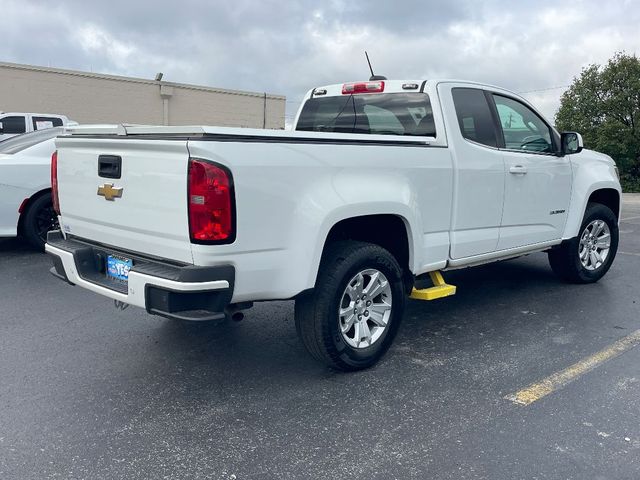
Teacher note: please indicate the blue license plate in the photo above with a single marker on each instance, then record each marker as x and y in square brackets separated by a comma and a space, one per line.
[118, 268]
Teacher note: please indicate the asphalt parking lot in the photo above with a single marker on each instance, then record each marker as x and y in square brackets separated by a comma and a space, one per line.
[88, 391]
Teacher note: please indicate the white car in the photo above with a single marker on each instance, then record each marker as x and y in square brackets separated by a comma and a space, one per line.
[25, 186]
[382, 183]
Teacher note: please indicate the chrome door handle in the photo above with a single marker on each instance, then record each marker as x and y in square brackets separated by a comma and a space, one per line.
[518, 170]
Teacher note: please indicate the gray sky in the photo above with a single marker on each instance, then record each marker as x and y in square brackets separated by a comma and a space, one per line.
[288, 47]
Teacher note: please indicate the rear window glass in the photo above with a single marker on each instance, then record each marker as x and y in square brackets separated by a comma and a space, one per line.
[378, 114]
[21, 142]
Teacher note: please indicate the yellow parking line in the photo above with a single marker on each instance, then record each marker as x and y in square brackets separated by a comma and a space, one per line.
[629, 218]
[630, 253]
[553, 382]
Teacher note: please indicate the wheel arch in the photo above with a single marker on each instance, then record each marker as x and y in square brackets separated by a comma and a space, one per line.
[391, 231]
[608, 197]
[606, 193]
[24, 207]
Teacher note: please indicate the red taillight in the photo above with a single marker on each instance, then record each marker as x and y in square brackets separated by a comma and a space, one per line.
[54, 182]
[362, 87]
[23, 205]
[210, 197]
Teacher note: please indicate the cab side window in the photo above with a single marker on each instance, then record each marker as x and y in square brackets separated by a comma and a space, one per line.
[522, 128]
[40, 123]
[13, 124]
[474, 116]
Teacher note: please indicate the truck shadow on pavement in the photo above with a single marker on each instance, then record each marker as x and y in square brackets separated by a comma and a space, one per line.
[16, 245]
[504, 302]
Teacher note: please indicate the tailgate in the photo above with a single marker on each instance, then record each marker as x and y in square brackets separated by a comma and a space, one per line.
[150, 216]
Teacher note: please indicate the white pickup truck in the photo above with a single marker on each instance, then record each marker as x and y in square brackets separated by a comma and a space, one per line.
[381, 182]
[17, 123]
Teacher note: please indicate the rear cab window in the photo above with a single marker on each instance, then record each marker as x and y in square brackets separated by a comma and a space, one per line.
[404, 114]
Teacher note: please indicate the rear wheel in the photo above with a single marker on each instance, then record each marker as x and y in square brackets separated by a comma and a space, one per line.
[38, 220]
[587, 257]
[352, 316]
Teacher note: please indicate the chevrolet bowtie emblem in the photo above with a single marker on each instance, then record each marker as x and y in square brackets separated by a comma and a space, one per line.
[109, 192]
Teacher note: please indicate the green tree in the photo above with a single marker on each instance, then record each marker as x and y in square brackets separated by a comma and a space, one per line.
[603, 104]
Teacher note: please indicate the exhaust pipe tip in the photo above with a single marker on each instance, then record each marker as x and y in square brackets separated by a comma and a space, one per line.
[234, 311]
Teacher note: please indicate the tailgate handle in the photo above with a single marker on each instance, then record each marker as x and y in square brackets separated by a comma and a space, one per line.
[110, 166]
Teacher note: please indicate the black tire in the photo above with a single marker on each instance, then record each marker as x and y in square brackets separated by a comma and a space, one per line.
[39, 219]
[316, 312]
[565, 259]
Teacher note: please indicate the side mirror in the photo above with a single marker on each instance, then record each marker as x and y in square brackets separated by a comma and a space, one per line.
[571, 143]
[1, 127]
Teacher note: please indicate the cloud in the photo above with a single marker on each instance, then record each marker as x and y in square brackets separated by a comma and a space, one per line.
[96, 42]
[289, 47]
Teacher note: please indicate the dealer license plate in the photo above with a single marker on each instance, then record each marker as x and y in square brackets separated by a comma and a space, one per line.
[118, 268]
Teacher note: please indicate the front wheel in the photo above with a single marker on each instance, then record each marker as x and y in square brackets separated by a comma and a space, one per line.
[352, 316]
[587, 257]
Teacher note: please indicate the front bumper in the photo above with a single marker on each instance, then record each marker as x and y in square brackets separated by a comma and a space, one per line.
[184, 292]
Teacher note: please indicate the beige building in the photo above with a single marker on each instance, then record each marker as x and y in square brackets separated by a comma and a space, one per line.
[96, 98]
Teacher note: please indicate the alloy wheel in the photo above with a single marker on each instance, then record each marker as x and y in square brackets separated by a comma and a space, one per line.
[594, 246]
[365, 308]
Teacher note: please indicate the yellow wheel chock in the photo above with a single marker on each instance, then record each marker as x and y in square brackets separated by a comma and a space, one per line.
[440, 289]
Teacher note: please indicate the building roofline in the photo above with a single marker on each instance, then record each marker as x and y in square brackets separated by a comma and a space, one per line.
[119, 78]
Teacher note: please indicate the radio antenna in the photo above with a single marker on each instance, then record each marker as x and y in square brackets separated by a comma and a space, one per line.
[373, 75]
[369, 62]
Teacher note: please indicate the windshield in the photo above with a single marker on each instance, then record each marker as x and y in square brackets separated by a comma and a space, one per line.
[21, 142]
[379, 114]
